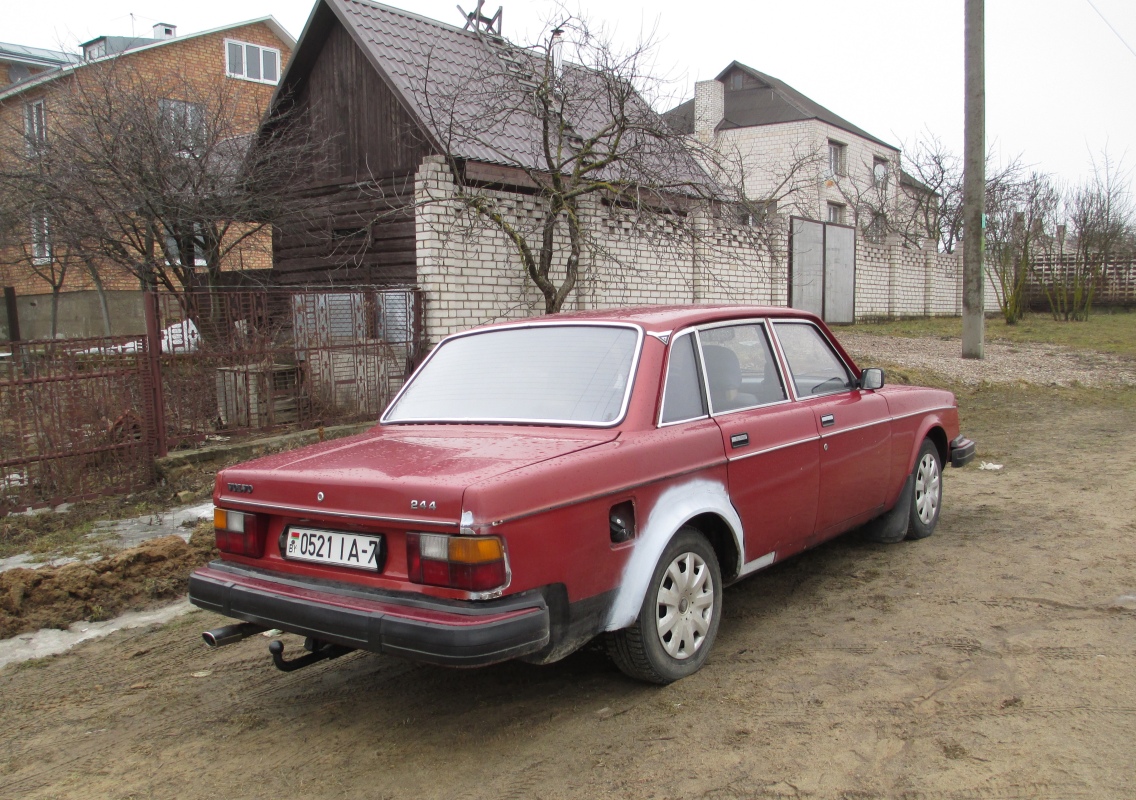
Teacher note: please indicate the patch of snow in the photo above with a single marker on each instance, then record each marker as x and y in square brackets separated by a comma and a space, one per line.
[50, 641]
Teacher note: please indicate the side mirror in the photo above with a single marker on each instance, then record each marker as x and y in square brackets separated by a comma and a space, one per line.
[872, 378]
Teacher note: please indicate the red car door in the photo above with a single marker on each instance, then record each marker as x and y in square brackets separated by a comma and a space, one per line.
[771, 442]
[854, 427]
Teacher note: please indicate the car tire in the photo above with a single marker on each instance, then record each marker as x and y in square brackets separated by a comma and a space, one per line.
[927, 497]
[679, 618]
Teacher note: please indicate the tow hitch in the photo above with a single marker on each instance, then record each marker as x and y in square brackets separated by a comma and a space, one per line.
[317, 651]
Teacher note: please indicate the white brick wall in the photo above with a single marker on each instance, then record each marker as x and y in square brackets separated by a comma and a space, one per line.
[470, 274]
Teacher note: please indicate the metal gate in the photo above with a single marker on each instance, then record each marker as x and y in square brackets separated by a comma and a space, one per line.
[822, 269]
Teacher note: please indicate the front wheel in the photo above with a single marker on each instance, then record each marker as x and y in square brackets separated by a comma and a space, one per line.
[679, 618]
[927, 498]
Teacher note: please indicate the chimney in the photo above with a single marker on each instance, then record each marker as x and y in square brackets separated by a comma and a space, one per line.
[709, 108]
[556, 53]
[164, 30]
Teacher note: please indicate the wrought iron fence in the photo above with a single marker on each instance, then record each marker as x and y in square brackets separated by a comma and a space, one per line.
[75, 420]
[79, 417]
[238, 359]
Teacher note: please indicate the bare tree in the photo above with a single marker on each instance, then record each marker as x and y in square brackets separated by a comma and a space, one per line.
[1100, 223]
[934, 210]
[570, 121]
[1021, 213]
[159, 177]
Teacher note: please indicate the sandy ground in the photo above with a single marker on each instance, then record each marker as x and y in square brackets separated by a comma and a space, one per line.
[992, 660]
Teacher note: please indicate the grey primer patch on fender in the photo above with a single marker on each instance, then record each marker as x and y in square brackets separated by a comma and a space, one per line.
[675, 506]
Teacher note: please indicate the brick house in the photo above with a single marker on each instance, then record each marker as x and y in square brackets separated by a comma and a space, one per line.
[841, 191]
[246, 58]
[19, 63]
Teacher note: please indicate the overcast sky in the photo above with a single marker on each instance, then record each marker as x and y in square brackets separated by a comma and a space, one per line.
[1061, 85]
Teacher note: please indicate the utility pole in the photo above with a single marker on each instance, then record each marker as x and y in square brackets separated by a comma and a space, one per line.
[974, 182]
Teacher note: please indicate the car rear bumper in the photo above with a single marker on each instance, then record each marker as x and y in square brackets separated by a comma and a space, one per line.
[453, 633]
[962, 451]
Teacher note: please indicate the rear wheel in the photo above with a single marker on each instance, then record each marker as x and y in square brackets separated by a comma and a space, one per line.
[679, 618]
[927, 499]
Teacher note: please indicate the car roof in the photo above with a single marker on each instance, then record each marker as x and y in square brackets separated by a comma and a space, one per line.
[668, 318]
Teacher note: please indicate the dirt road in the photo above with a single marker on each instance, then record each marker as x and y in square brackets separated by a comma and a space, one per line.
[993, 660]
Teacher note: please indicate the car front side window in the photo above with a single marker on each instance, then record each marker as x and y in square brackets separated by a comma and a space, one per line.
[815, 368]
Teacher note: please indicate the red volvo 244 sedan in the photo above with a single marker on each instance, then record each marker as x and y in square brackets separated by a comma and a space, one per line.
[537, 484]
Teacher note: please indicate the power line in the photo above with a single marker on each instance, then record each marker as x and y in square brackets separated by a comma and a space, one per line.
[1109, 24]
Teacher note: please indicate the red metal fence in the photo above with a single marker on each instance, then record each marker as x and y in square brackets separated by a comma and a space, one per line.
[87, 416]
[74, 420]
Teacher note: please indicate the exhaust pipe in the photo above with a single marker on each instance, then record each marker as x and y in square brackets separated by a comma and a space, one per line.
[219, 637]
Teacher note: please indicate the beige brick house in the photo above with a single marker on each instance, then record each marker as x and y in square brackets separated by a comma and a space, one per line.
[244, 60]
[840, 191]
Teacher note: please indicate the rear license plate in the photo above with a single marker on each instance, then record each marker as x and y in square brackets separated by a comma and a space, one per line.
[333, 547]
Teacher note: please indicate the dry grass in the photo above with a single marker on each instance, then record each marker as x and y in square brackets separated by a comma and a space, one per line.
[1106, 331]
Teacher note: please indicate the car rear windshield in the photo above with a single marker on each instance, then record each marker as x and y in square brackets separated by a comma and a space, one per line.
[570, 374]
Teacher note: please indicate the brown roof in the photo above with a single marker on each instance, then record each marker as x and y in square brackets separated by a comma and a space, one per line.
[472, 91]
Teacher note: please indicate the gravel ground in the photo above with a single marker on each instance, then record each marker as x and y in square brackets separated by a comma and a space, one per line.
[1044, 364]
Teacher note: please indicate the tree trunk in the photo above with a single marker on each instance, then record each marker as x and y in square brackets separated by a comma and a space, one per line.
[93, 271]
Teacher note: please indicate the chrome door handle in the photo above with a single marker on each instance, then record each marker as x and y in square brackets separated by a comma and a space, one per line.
[827, 421]
[739, 440]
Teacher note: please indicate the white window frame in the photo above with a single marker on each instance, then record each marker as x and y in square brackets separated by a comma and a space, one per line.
[243, 74]
[173, 251]
[839, 209]
[837, 158]
[35, 124]
[185, 122]
[41, 238]
[95, 50]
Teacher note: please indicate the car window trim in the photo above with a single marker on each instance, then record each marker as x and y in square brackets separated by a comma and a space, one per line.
[626, 405]
[789, 369]
[763, 322]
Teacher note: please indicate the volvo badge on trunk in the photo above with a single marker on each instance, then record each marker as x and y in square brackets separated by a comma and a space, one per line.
[241, 488]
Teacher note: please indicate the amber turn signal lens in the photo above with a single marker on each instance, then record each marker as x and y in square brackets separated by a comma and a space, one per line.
[475, 550]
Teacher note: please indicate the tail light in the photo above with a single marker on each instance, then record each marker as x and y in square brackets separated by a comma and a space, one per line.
[473, 563]
[239, 533]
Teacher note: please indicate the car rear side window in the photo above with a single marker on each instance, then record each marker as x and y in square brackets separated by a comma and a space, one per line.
[740, 367]
[816, 369]
[683, 397]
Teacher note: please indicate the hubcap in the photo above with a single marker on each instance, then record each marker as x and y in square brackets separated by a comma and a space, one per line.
[685, 605]
[928, 489]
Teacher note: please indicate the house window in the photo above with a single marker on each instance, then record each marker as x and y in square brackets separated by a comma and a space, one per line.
[95, 50]
[183, 123]
[184, 239]
[41, 238]
[880, 173]
[836, 152]
[252, 62]
[35, 125]
[836, 213]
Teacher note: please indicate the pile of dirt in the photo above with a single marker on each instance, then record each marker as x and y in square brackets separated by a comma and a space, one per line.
[131, 580]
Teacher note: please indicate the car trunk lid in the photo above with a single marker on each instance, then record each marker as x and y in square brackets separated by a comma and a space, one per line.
[411, 472]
